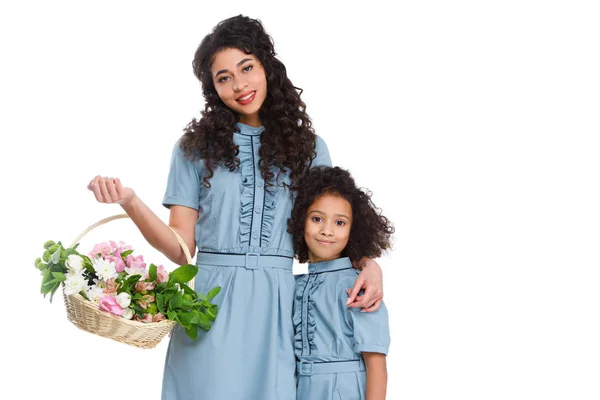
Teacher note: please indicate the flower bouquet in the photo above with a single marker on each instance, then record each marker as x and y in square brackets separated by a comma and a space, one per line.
[113, 293]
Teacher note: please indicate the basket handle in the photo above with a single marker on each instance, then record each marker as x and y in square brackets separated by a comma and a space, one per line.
[103, 221]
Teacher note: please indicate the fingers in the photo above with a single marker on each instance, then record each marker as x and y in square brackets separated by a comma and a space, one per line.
[112, 189]
[95, 188]
[374, 307]
[105, 189]
[358, 286]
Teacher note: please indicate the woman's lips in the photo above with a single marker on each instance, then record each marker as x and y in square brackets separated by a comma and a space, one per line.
[246, 98]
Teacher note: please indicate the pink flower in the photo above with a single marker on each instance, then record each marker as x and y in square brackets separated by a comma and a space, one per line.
[111, 287]
[135, 262]
[141, 286]
[104, 248]
[145, 301]
[162, 274]
[109, 303]
[147, 318]
[158, 317]
[119, 264]
[120, 247]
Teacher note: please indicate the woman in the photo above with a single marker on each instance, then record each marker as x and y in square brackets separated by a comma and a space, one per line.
[229, 194]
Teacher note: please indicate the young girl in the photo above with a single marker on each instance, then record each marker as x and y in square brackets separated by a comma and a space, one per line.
[340, 350]
[228, 196]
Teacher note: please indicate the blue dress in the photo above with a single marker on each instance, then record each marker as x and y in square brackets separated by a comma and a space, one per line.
[243, 246]
[330, 336]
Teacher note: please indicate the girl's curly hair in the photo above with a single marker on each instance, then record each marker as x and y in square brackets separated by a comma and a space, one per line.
[370, 233]
[288, 140]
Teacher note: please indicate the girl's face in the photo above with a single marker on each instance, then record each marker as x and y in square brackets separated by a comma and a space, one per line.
[327, 227]
[241, 83]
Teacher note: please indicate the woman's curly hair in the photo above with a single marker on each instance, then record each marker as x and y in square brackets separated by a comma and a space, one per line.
[288, 141]
[370, 232]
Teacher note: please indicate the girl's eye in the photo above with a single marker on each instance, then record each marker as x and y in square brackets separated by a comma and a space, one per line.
[316, 219]
[340, 223]
[247, 68]
[223, 79]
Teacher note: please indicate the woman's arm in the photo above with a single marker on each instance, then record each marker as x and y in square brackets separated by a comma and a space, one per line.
[370, 280]
[375, 364]
[155, 231]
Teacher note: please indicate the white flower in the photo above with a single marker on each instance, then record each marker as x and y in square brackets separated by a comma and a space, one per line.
[104, 269]
[75, 284]
[127, 313]
[74, 263]
[94, 293]
[124, 300]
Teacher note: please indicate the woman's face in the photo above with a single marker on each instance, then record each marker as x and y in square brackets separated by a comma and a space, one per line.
[327, 227]
[241, 83]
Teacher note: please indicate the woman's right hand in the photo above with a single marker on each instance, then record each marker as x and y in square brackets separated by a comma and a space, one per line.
[110, 190]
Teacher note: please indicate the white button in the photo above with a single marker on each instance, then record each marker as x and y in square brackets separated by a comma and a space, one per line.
[255, 235]
[259, 184]
[257, 210]
[256, 140]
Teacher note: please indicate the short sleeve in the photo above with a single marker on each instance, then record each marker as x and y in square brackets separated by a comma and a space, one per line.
[370, 331]
[183, 183]
[322, 158]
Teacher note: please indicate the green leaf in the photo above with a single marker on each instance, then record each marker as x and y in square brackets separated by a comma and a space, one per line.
[49, 244]
[56, 255]
[172, 315]
[160, 303]
[184, 274]
[152, 272]
[60, 276]
[213, 292]
[125, 254]
[192, 332]
[176, 300]
[187, 289]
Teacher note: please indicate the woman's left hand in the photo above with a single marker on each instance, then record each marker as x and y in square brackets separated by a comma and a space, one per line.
[370, 280]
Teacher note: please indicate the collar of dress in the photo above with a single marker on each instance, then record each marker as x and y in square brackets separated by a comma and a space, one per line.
[331, 265]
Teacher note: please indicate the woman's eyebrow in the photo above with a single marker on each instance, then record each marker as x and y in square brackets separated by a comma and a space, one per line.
[224, 71]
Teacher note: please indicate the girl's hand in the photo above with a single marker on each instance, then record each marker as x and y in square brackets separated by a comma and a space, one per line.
[371, 281]
[110, 190]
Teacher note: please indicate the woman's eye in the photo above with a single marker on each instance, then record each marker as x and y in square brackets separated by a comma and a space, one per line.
[340, 223]
[316, 219]
[247, 68]
[223, 79]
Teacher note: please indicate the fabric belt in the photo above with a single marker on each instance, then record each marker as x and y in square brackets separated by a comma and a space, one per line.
[307, 368]
[248, 260]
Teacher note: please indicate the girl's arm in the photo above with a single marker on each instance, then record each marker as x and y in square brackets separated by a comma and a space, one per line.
[370, 280]
[375, 364]
[155, 231]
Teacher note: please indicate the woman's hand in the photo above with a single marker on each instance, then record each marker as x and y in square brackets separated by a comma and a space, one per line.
[371, 281]
[110, 190]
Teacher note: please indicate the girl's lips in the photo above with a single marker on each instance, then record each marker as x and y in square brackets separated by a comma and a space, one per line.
[247, 98]
[325, 243]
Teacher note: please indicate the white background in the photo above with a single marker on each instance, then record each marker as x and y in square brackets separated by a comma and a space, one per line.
[474, 123]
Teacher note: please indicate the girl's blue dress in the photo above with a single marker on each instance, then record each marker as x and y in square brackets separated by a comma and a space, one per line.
[243, 246]
[330, 336]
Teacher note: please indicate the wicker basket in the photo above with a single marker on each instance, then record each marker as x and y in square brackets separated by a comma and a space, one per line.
[87, 316]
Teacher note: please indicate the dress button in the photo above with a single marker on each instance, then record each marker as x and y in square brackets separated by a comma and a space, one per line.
[257, 210]
[312, 269]
[255, 235]
[259, 184]
[256, 140]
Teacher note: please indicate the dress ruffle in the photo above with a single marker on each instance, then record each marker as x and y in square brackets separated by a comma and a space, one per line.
[268, 215]
[306, 323]
[247, 192]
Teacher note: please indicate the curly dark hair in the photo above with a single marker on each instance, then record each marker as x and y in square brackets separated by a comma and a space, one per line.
[370, 233]
[288, 140]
